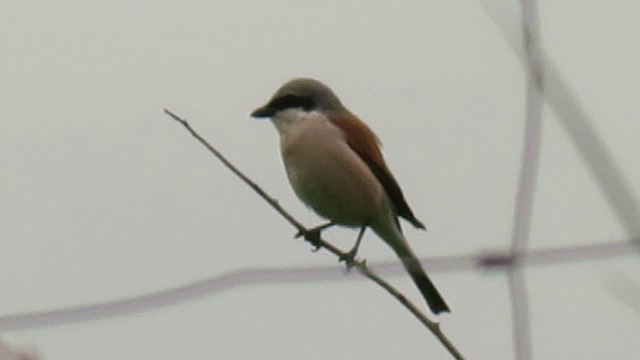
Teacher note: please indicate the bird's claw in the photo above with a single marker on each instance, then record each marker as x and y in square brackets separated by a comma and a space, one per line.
[349, 259]
[312, 236]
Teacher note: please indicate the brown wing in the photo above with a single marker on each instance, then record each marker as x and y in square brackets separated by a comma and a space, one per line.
[366, 144]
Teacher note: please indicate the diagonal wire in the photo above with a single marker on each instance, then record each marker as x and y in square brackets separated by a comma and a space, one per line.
[626, 290]
[575, 120]
[578, 124]
[573, 117]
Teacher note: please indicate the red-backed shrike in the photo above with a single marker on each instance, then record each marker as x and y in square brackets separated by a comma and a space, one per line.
[334, 163]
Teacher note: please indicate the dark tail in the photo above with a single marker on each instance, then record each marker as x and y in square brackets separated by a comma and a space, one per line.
[392, 236]
[424, 284]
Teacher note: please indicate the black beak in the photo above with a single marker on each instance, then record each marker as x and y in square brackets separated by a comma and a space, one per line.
[263, 112]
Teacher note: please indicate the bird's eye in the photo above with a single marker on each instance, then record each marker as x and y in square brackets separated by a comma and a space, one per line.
[292, 102]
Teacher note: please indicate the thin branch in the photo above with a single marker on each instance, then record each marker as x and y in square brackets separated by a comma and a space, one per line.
[318, 242]
[271, 201]
[494, 261]
[433, 326]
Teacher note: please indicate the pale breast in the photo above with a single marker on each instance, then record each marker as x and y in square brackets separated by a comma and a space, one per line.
[326, 173]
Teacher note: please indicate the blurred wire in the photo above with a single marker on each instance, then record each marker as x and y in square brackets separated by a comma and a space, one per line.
[288, 275]
[575, 120]
[626, 290]
[527, 180]
[9, 353]
[581, 131]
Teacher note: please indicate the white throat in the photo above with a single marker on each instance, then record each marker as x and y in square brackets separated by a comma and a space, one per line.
[291, 122]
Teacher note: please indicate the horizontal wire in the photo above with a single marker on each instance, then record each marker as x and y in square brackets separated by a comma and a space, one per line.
[288, 275]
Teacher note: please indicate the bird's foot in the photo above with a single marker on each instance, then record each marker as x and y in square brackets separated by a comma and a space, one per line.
[349, 258]
[313, 235]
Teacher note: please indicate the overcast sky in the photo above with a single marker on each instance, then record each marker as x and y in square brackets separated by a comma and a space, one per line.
[103, 197]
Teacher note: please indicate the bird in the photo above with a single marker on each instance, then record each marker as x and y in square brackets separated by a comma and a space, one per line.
[335, 165]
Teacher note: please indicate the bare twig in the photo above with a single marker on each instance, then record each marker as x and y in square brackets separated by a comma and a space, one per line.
[317, 241]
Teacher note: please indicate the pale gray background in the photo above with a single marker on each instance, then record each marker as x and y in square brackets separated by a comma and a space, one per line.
[104, 197]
